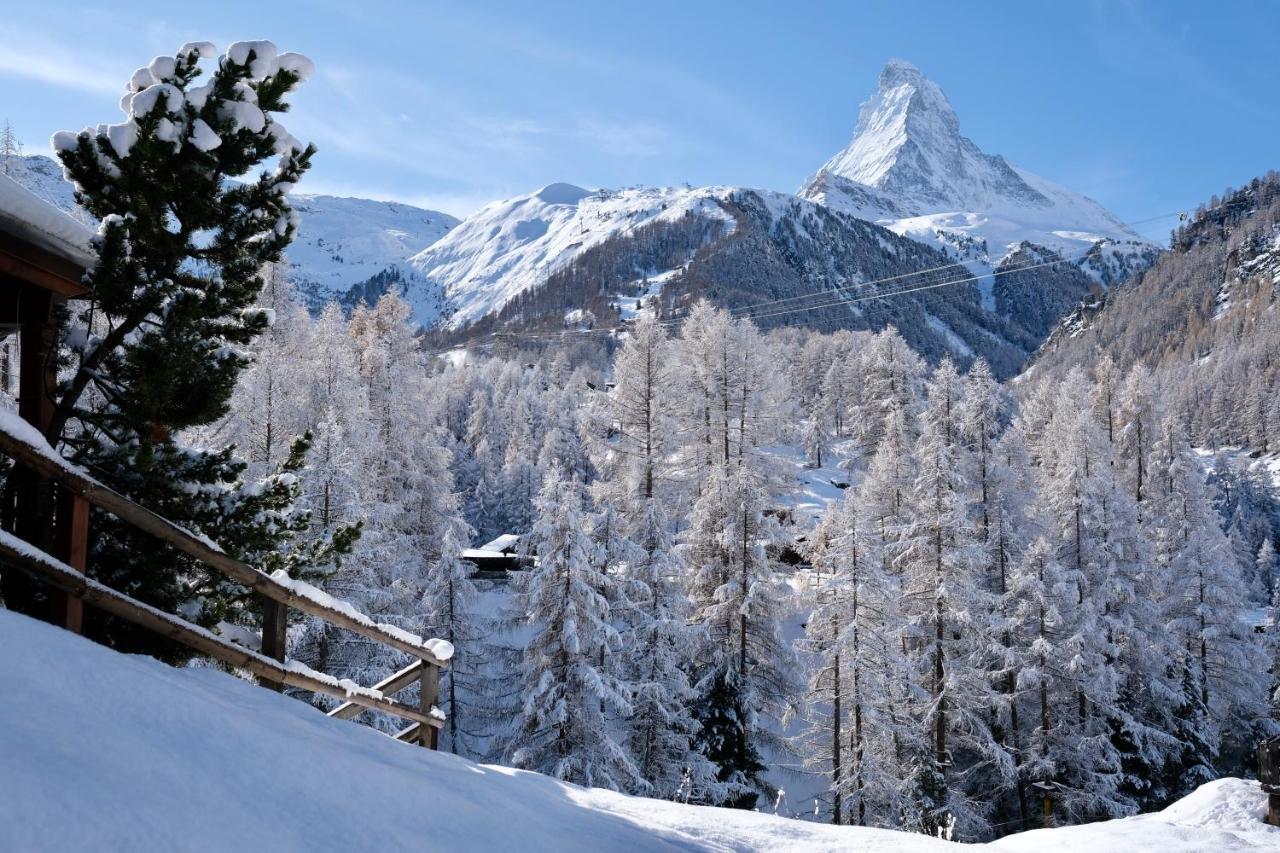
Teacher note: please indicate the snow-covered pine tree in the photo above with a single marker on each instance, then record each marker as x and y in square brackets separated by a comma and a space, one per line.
[816, 438]
[474, 689]
[1069, 766]
[1088, 511]
[1217, 657]
[1266, 565]
[562, 729]
[10, 147]
[405, 496]
[951, 613]
[657, 647]
[338, 410]
[157, 346]
[1136, 419]
[854, 733]
[892, 374]
[270, 404]
[632, 447]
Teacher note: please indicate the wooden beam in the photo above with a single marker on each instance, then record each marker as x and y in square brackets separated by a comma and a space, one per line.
[42, 268]
[19, 554]
[388, 686]
[409, 734]
[39, 460]
[38, 368]
[71, 539]
[275, 634]
[428, 694]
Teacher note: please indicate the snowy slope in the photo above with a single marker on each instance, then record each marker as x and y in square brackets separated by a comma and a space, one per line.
[341, 242]
[103, 751]
[344, 241]
[510, 246]
[909, 168]
[42, 177]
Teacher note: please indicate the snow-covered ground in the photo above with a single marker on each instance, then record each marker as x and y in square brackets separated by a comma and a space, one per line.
[342, 242]
[102, 751]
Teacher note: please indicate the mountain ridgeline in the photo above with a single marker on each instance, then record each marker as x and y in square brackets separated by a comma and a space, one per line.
[909, 194]
[1203, 318]
[783, 262]
[911, 224]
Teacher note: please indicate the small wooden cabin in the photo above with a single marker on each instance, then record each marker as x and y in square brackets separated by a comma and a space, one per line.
[495, 559]
[44, 254]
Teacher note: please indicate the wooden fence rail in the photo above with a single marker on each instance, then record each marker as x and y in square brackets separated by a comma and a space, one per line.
[144, 519]
[269, 666]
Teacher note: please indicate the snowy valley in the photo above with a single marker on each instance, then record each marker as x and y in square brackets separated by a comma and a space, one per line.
[929, 504]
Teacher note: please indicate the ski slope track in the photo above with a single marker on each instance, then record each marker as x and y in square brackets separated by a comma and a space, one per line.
[108, 752]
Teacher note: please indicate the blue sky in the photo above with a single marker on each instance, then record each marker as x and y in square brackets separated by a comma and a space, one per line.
[1146, 106]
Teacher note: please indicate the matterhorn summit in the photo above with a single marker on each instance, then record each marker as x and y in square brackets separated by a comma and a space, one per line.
[908, 167]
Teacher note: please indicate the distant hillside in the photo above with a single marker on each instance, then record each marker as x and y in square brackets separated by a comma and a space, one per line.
[781, 260]
[346, 248]
[1204, 317]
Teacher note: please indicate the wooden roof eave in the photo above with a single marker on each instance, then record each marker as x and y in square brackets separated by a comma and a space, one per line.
[26, 262]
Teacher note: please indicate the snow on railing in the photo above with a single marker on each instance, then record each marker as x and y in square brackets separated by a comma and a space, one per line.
[20, 441]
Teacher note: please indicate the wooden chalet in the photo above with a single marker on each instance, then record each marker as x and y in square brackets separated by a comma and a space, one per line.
[495, 559]
[44, 254]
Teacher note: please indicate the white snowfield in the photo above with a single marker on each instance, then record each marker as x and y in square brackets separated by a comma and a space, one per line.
[342, 242]
[106, 752]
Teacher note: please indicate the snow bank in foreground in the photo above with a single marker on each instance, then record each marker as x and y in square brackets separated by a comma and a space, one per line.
[100, 751]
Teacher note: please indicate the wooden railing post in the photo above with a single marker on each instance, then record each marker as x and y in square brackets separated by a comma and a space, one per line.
[275, 624]
[71, 547]
[428, 695]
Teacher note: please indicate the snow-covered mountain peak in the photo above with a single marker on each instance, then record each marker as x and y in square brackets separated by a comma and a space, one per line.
[908, 144]
[905, 105]
[510, 246]
[561, 193]
[909, 168]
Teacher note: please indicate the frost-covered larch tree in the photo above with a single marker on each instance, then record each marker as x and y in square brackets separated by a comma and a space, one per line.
[632, 450]
[745, 672]
[949, 608]
[562, 729]
[853, 730]
[1223, 702]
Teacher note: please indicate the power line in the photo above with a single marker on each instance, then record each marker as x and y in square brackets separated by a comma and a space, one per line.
[750, 310]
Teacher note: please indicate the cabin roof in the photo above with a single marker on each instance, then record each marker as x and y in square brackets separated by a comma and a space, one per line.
[53, 249]
[505, 542]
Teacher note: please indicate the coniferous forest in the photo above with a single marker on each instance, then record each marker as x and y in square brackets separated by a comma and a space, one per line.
[1031, 604]
[998, 557]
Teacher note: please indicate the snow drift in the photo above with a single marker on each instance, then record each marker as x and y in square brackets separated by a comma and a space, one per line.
[103, 751]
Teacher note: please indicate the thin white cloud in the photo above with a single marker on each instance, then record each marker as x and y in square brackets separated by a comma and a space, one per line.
[35, 59]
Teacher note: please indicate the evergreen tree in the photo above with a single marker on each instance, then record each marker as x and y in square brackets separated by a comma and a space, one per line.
[10, 147]
[159, 343]
[941, 566]
[562, 729]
